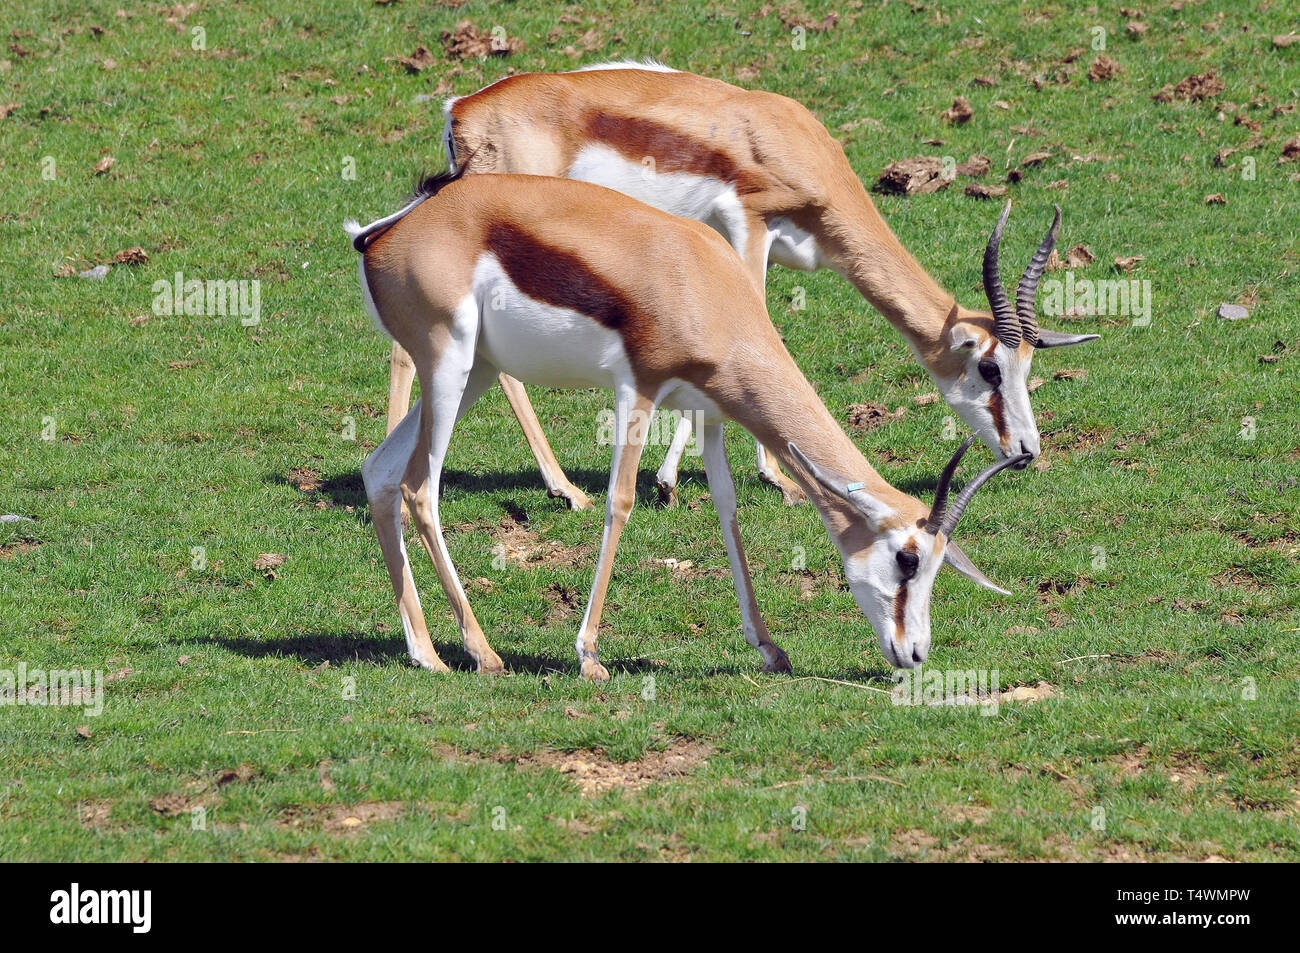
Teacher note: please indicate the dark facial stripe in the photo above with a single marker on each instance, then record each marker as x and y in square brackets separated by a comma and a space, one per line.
[900, 613]
[996, 406]
[671, 150]
[557, 277]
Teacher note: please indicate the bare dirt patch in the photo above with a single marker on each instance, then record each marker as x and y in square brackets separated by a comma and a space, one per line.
[1193, 89]
[20, 548]
[519, 544]
[564, 602]
[466, 40]
[872, 416]
[594, 773]
[1238, 578]
[94, 815]
[343, 818]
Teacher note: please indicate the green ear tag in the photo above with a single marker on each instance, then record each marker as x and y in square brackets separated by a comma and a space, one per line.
[855, 486]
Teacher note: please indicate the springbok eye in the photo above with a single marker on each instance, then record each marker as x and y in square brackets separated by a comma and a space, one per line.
[990, 371]
[907, 563]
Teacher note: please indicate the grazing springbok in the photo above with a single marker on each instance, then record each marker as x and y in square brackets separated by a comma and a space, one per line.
[567, 284]
[763, 171]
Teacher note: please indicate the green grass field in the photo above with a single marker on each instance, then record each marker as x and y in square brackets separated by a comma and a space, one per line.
[1153, 553]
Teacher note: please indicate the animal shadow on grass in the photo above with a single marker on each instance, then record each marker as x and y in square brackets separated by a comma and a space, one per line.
[315, 649]
[348, 489]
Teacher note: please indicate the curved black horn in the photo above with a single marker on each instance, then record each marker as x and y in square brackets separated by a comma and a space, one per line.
[959, 505]
[1005, 325]
[1026, 310]
[941, 490]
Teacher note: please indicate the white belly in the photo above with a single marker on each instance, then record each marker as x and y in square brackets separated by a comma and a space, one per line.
[538, 343]
[700, 197]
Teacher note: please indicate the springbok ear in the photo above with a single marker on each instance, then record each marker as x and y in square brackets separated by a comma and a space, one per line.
[855, 494]
[962, 337]
[1048, 338]
[959, 561]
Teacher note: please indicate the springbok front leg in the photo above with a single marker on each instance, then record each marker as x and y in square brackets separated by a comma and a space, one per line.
[755, 255]
[723, 491]
[629, 441]
[557, 484]
[748, 235]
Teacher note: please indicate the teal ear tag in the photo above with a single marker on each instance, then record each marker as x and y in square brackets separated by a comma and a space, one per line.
[855, 486]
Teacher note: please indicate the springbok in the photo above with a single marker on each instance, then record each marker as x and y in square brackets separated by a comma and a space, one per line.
[764, 172]
[567, 284]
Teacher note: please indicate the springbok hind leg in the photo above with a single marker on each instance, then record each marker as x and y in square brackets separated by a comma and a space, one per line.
[557, 484]
[667, 475]
[770, 472]
[401, 374]
[447, 392]
[382, 473]
[629, 441]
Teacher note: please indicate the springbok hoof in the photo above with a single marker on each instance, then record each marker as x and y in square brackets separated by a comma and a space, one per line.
[491, 665]
[573, 498]
[667, 494]
[791, 493]
[434, 664]
[593, 671]
[779, 665]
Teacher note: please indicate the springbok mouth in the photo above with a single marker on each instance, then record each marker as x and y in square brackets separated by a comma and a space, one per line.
[1022, 460]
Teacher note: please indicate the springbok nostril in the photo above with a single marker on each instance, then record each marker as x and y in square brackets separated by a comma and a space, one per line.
[918, 656]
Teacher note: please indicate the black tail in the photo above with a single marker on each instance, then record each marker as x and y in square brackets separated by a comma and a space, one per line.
[426, 186]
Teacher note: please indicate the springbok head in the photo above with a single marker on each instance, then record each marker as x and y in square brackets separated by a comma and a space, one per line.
[893, 549]
[988, 385]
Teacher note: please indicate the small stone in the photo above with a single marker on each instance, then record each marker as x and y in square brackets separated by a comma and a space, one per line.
[1232, 312]
[98, 273]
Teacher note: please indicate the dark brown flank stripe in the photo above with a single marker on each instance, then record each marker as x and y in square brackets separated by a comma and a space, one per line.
[557, 277]
[671, 150]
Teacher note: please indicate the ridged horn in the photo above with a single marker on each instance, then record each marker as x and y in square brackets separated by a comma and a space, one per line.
[1027, 292]
[1005, 324]
[968, 492]
[935, 518]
